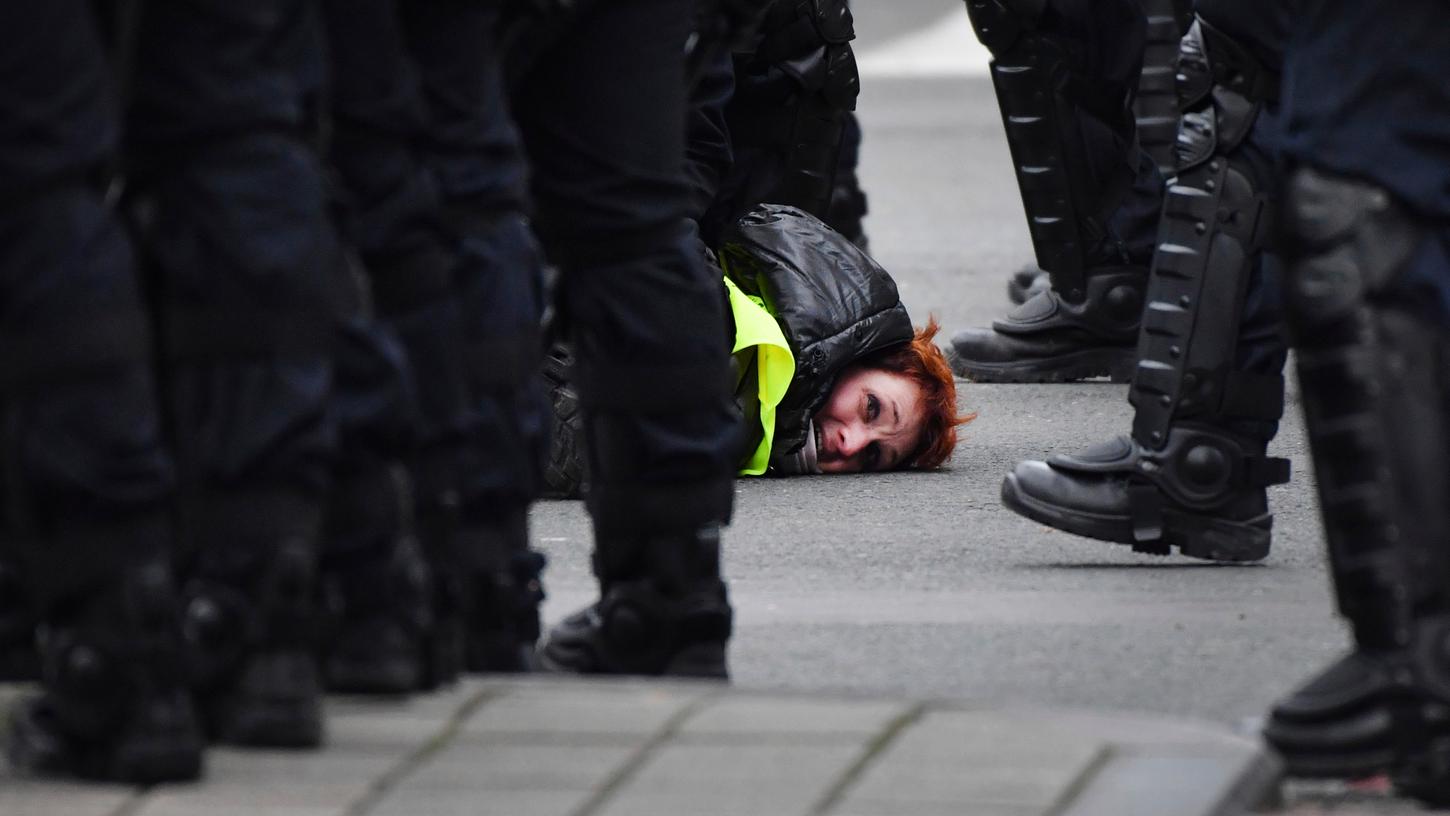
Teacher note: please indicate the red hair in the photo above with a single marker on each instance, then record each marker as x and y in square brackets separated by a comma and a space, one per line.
[922, 362]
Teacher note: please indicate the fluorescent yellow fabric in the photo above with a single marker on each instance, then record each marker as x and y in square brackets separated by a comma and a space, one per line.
[774, 364]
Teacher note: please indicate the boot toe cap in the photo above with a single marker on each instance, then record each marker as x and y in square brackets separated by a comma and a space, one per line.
[1070, 492]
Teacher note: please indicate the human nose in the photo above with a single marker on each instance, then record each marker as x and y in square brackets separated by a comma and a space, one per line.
[853, 438]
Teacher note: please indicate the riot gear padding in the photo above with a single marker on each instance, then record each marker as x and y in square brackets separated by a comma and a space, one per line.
[1193, 473]
[1374, 381]
[1374, 376]
[793, 91]
[1041, 93]
[1156, 106]
[1214, 225]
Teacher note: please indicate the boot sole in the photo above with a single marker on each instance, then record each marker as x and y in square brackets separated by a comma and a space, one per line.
[1207, 539]
[1117, 364]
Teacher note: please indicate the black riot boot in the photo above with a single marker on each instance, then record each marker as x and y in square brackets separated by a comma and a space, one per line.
[1049, 338]
[377, 586]
[1193, 473]
[1374, 371]
[250, 624]
[19, 660]
[663, 610]
[114, 704]
[1202, 492]
[505, 588]
[1074, 146]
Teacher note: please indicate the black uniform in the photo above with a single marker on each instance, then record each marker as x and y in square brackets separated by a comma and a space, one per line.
[433, 177]
[612, 206]
[1367, 217]
[85, 528]
[1066, 74]
[1207, 387]
[225, 194]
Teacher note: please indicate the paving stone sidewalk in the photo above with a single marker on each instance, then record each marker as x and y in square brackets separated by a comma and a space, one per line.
[577, 748]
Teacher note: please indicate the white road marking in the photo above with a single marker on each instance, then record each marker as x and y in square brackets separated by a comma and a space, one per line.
[946, 48]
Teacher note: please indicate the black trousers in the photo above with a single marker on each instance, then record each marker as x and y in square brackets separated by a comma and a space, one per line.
[228, 193]
[603, 122]
[1366, 97]
[86, 474]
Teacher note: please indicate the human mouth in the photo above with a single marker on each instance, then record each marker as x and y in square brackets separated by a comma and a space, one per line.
[820, 442]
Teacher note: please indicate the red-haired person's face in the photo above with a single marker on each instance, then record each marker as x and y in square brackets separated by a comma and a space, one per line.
[871, 421]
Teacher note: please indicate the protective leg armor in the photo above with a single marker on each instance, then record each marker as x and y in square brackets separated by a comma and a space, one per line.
[1156, 111]
[1066, 212]
[1071, 135]
[1375, 380]
[792, 96]
[1156, 106]
[1193, 472]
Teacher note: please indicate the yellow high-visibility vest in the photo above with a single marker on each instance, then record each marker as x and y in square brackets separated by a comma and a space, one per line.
[774, 364]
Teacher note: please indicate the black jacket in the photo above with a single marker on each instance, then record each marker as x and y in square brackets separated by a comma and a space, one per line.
[834, 304]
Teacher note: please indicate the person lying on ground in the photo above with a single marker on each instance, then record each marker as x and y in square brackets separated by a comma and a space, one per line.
[828, 372]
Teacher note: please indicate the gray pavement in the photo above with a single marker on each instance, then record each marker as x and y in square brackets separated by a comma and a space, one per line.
[575, 748]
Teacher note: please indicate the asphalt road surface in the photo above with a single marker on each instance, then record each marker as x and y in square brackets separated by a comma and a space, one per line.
[921, 583]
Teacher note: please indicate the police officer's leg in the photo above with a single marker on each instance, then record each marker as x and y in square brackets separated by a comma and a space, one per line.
[1368, 236]
[398, 390]
[375, 579]
[1208, 390]
[1074, 146]
[87, 479]
[473, 153]
[1373, 365]
[1156, 105]
[1155, 113]
[608, 169]
[788, 113]
[229, 198]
